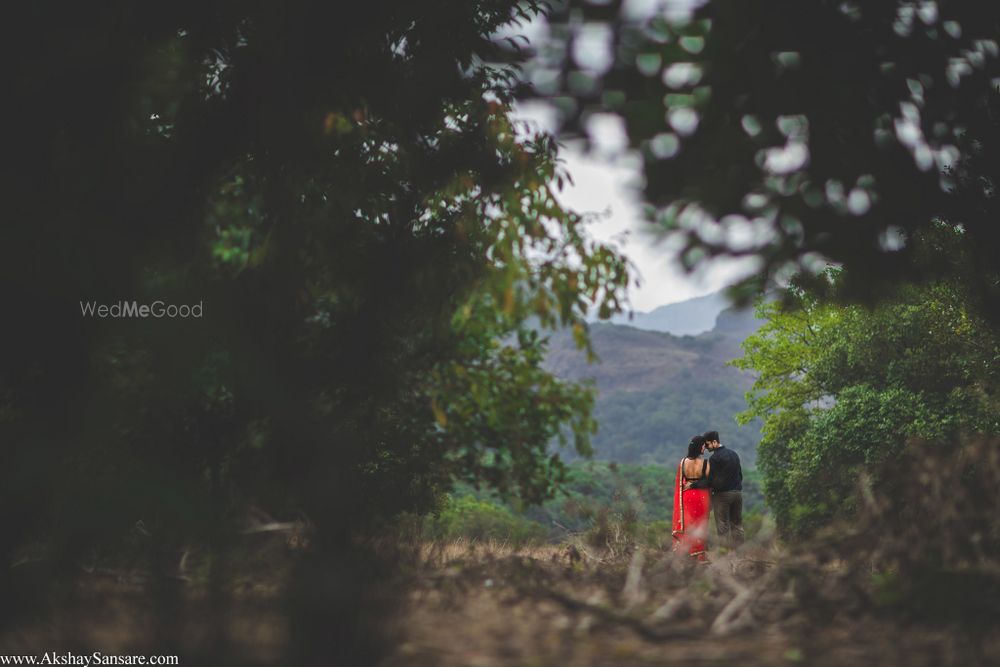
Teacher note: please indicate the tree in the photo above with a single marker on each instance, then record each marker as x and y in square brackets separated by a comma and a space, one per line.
[845, 389]
[342, 192]
[800, 132]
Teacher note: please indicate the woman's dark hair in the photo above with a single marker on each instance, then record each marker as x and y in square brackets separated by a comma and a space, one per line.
[695, 446]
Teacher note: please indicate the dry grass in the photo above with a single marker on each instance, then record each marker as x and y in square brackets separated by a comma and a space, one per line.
[443, 554]
[877, 591]
[488, 604]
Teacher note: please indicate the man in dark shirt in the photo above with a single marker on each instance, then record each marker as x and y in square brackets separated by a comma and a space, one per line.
[726, 479]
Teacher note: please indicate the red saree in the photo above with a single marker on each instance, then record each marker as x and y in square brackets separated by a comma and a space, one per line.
[691, 509]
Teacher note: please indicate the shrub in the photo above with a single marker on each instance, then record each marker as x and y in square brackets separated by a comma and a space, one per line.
[467, 517]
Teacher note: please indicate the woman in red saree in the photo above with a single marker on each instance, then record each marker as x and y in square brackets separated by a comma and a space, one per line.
[692, 502]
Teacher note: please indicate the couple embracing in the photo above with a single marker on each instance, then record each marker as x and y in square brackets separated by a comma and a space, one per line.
[703, 485]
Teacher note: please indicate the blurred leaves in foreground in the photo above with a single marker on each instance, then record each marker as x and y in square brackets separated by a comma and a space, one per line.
[342, 192]
[797, 132]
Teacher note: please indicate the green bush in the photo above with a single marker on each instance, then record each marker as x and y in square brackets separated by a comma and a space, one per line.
[470, 518]
[844, 389]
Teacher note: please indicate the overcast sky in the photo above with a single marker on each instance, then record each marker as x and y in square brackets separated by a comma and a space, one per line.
[605, 182]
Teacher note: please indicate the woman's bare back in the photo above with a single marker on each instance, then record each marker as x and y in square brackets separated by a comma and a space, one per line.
[693, 468]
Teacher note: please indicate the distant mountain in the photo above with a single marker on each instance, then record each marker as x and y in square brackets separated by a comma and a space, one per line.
[656, 390]
[736, 323]
[684, 318]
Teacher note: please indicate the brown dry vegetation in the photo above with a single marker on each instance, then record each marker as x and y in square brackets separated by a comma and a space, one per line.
[913, 581]
[485, 604]
[481, 604]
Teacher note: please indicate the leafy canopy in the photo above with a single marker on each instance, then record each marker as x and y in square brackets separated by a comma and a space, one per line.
[341, 187]
[843, 389]
[798, 131]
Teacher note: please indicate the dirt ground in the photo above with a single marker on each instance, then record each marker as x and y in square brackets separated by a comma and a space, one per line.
[484, 604]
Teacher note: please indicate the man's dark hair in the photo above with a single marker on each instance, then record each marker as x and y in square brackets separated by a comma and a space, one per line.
[711, 435]
[694, 447]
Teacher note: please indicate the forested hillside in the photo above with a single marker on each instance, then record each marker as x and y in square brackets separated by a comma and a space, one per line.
[655, 390]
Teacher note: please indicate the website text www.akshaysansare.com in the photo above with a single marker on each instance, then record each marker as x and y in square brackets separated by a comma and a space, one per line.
[87, 659]
[123, 309]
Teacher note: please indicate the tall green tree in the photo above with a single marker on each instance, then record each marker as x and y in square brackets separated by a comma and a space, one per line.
[844, 389]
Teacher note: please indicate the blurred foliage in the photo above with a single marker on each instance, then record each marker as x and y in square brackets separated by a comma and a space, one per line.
[842, 391]
[951, 494]
[342, 191]
[795, 131]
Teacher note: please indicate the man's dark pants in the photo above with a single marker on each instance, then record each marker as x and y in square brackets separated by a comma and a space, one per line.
[728, 508]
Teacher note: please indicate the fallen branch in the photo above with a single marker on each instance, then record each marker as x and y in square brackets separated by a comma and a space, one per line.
[276, 526]
[737, 612]
[632, 593]
[667, 610]
[614, 617]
